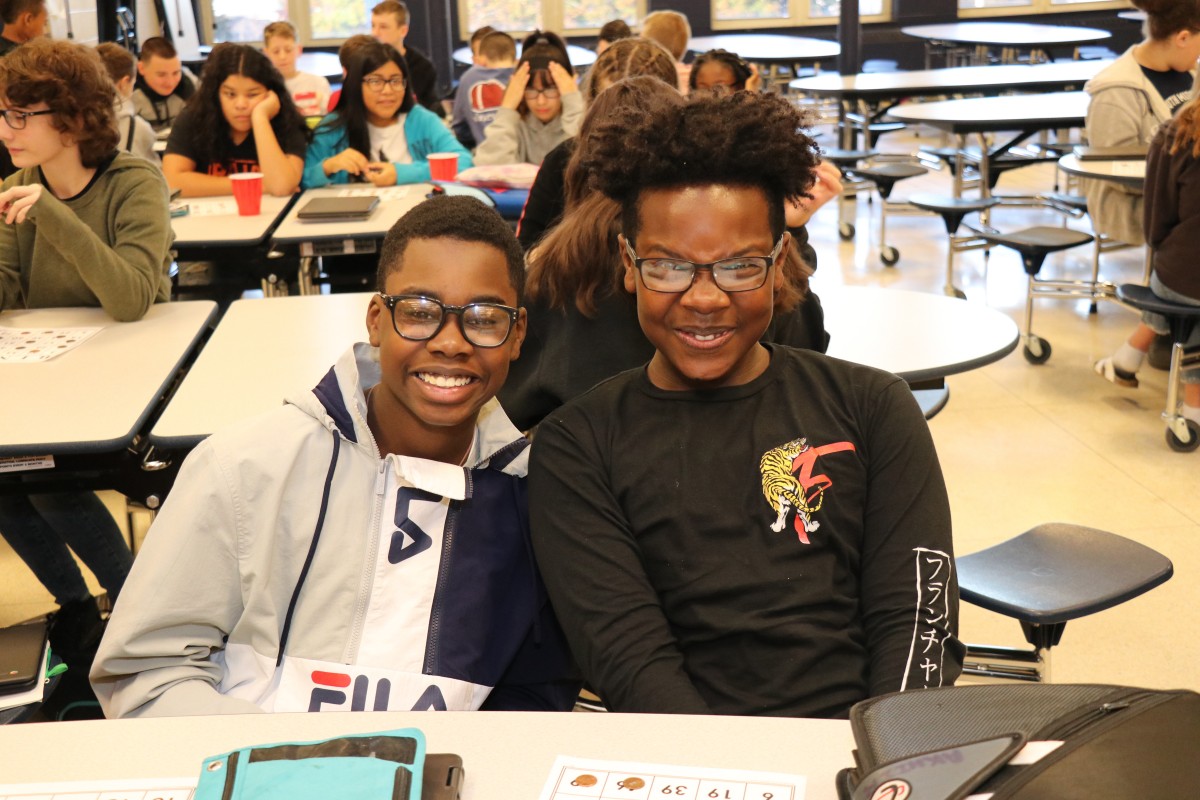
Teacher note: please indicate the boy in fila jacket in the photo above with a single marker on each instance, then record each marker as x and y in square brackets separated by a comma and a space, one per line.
[365, 546]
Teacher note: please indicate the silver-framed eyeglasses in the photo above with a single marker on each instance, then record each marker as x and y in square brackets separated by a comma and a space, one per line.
[676, 275]
[419, 318]
[376, 84]
[16, 119]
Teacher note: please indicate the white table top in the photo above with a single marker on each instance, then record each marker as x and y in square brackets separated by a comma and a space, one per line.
[96, 397]
[1126, 172]
[915, 335]
[261, 351]
[998, 77]
[1010, 112]
[505, 754]
[214, 221]
[1014, 34]
[768, 46]
[395, 202]
[580, 56]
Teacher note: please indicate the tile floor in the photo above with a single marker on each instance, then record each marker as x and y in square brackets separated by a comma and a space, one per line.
[1019, 444]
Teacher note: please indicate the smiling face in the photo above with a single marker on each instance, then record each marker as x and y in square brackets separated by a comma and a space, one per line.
[39, 143]
[283, 53]
[161, 74]
[431, 391]
[543, 107]
[239, 95]
[383, 104]
[704, 337]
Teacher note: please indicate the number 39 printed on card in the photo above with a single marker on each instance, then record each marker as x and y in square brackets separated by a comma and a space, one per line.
[577, 778]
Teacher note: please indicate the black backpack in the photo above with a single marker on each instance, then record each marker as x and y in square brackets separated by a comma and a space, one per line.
[1072, 742]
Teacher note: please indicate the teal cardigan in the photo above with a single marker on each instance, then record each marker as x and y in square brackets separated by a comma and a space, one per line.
[425, 134]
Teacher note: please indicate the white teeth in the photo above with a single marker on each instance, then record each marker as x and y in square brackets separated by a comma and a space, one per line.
[704, 337]
[444, 381]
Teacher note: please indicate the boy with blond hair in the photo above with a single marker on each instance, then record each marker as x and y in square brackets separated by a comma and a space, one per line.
[309, 92]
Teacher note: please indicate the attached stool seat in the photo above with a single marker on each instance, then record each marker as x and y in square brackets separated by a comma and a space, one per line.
[953, 210]
[1034, 244]
[842, 159]
[1182, 435]
[1046, 577]
[885, 176]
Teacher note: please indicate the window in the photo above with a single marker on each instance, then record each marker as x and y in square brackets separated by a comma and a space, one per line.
[730, 14]
[999, 8]
[244, 20]
[568, 17]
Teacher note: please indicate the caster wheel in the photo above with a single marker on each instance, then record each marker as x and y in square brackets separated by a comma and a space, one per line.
[954, 291]
[889, 256]
[1037, 351]
[1181, 446]
[846, 231]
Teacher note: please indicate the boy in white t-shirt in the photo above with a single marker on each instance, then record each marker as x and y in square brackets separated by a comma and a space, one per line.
[309, 92]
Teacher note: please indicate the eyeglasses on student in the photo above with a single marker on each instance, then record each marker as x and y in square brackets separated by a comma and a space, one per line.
[419, 318]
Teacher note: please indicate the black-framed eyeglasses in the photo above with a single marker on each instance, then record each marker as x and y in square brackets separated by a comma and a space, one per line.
[676, 275]
[550, 93]
[419, 318]
[376, 84]
[16, 119]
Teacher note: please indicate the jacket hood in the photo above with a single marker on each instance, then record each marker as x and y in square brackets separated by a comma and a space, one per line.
[339, 403]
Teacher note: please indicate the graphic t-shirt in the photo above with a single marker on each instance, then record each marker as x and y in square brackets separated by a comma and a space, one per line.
[230, 158]
[479, 94]
[310, 93]
[1174, 86]
[390, 143]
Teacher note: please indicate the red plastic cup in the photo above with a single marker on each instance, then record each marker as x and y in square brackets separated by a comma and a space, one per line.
[247, 191]
[443, 166]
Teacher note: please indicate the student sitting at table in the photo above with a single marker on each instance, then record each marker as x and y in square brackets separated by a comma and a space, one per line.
[481, 88]
[309, 92]
[378, 133]
[721, 72]
[163, 84]
[81, 224]
[736, 528]
[390, 23]
[242, 119]
[1132, 97]
[1172, 226]
[364, 546]
[541, 106]
[136, 135]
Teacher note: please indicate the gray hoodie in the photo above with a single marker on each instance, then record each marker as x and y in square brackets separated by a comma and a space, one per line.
[513, 139]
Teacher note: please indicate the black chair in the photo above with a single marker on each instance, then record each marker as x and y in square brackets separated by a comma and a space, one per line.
[1046, 577]
[1034, 244]
[1182, 435]
[953, 210]
[843, 159]
[885, 176]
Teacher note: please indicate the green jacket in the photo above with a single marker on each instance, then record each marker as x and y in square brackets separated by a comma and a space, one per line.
[108, 246]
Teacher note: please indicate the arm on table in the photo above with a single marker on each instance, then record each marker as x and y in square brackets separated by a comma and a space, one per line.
[593, 572]
[180, 172]
[125, 275]
[907, 544]
[181, 599]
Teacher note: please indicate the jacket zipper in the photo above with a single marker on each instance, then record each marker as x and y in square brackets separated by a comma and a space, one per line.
[360, 611]
[435, 614]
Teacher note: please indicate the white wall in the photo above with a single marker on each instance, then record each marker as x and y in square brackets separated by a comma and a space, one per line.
[74, 20]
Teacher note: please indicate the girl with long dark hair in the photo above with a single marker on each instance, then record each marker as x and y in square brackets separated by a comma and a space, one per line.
[377, 132]
[241, 119]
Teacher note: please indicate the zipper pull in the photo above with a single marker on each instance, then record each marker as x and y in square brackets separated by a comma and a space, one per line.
[1108, 708]
[381, 477]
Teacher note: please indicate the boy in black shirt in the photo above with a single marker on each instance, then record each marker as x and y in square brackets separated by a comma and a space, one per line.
[737, 528]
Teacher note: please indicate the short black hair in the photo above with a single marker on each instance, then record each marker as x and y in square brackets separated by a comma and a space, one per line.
[742, 139]
[737, 65]
[615, 30]
[452, 217]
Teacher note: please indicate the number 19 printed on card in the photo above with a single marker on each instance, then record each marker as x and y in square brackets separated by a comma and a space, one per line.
[576, 778]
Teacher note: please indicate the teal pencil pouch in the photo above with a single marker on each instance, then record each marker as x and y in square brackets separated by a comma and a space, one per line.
[372, 766]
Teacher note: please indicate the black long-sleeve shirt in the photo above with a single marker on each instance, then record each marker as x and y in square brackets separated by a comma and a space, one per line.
[779, 548]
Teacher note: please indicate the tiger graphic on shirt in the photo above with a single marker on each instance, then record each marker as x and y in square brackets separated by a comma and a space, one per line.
[789, 485]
